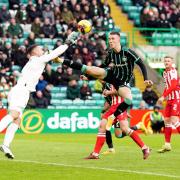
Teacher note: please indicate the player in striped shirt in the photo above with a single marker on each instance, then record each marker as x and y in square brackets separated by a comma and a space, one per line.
[114, 100]
[117, 69]
[172, 95]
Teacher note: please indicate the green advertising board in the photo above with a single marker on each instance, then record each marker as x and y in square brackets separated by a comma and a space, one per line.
[60, 121]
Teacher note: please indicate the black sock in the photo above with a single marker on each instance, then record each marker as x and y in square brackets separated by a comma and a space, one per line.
[134, 128]
[72, 64]
[109, 139]
[121, 108]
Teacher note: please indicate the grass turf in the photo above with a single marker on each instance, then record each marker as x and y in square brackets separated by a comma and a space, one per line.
[60, 156]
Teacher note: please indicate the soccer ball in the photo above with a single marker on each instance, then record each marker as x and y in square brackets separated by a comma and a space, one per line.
[84, 26]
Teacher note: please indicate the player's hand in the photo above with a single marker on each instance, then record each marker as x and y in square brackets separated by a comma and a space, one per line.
[72, 38]
[148, 82]
[57, 60]
[160, 100]
[106, 93]
[128, 115]
[83, 77]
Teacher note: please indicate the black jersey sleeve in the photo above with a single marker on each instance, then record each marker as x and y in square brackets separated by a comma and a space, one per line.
[143, 68]
[134, 56]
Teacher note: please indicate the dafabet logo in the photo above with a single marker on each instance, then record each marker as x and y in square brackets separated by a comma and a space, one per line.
[32, 122]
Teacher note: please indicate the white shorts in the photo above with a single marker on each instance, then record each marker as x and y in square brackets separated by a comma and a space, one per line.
[18, 98]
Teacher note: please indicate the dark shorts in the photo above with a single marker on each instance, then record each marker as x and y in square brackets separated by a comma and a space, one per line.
[112, 79]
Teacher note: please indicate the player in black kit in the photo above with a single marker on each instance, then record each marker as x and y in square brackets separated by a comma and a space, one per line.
[117, 69]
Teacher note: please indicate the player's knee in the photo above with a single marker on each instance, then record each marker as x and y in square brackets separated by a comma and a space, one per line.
[102, 126]
[17, 121]
[15, 115]
[124, 129]
[128, 101]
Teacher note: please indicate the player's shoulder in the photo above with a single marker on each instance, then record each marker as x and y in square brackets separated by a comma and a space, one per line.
[124, 48]
[173, 70]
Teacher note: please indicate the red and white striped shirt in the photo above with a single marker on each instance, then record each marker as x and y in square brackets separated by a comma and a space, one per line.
[172, 89]
[115, 98]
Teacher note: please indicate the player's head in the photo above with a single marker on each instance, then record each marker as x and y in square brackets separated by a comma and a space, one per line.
[35, 50]
[156, 108]
[168, 62]
[114, 40]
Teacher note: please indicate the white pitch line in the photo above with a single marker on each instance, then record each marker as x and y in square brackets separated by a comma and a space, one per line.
[96, 168]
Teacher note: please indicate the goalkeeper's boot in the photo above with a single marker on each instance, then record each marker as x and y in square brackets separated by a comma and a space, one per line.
[110, 122]
[92, 156]
[146, 152]
[7, 151]
[165, 148]
[143, 128]
[109, 151]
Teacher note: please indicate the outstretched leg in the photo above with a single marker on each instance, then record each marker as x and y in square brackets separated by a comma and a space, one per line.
[96, 72]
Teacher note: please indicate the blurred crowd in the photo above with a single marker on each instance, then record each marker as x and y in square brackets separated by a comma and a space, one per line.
[159, 13]
[56, 19]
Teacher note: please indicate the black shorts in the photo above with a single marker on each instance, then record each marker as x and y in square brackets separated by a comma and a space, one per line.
[112, 79]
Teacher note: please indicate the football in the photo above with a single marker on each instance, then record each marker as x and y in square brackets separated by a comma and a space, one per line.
[84, 26]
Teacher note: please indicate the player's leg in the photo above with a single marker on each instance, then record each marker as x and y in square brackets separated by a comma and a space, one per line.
[10, 132]
[17, 101]
[109, 142]
[168, 128]
[5, 121]
[134, 135]
[176, 123]
[93, 71]
[167, 135]
[175, 114]
[101, 138]
[139, 126]
[117, 130]
[125, 93]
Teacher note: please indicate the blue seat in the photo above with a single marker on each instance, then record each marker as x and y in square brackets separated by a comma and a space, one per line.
[51, 107]
[55, 90]
[72, 107]
[99, 102]
[38, 41]
[55, 102]
[90, 102]
[61, 107]
[66, 102]
[47, 42]
[78, 102]
[63, 89]
[96, 96]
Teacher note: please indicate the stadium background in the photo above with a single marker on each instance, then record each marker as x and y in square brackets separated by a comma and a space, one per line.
[150, 27]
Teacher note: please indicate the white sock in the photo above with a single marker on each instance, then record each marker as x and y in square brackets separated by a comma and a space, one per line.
[5, 121]
[10, 132]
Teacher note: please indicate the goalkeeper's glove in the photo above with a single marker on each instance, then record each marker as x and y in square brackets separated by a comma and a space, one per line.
[72, 38]
[57, 60]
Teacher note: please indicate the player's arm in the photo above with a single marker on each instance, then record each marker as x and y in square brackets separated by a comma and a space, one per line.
[174, 83]
[71, 39]
[139, 62]
[54, 54]
[106, 107]
[110, 92]
[106, 62]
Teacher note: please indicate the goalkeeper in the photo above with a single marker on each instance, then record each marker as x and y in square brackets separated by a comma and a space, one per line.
[19, 95]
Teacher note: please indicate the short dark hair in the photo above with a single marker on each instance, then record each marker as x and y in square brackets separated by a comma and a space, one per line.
[31, 48]
[115, 33]
[168, 57]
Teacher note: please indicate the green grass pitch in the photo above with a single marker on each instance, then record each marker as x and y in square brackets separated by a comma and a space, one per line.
[60, 156]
